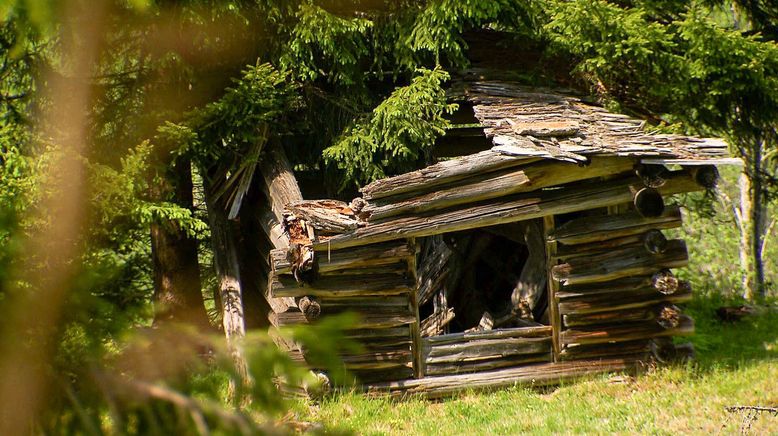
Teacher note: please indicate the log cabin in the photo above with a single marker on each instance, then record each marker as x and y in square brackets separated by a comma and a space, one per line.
[533, 251]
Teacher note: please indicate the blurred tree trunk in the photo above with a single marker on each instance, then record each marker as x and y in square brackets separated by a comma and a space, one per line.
[177, 292]
[753, 225]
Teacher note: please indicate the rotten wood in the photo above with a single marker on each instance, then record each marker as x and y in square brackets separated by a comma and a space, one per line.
[326, 216]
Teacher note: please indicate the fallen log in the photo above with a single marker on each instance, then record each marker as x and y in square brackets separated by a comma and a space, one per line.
[510, 209]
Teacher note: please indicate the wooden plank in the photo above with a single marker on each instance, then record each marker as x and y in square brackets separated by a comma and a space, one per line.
[364, 319]
[578, 352]
[442, 173]
[510, 209]
[386, 253]
[621, 300]
[342, 286]
[496, 184]
[536, 375]
[602, 228]
[625, 262]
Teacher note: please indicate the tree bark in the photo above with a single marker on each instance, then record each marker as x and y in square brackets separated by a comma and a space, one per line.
[177, 293]
[753, 228]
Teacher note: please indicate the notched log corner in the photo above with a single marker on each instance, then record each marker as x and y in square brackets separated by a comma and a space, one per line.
[310, 307]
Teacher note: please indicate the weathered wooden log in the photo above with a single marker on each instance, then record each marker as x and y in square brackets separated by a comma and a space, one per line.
[442, 173]
[326, 216]
[382, 376]
[627, 332]
[485, 349]
[532, 280]
[378, 360]
[649, 203]
[354, 258]
[434, 324]
[597, 351]
[665, 282]
[342, 286]
[485, 365]
[536, 375]
[497, 184]
[280, 187]
[652, 175]
[519, 332]
[624, 285]
[310, 308]
[364, 320]
[378, 334]
[666, 314]
[655, 241]
[706, 175]
[510, 209]
[592, 248]
[625, 262]
[594, 229]
[435, 265]
[621, 299]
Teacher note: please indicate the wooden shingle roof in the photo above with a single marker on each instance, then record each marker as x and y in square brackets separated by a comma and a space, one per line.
[536, 122]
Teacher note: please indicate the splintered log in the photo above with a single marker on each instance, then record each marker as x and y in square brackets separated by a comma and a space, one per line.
[326, 216]
[595, 229]
[434, 324]
[486, 323]
[579, 352]
[442, 173]
[620, 263]
[354, 258]
[627, 332]
[520, 332]
[536, 375]
[532, 280]
[498, 184]
[665, 282]
[666, 314]
[520, 207]
[486, 365]
[485, 349]
[342, 286]
[649, 203]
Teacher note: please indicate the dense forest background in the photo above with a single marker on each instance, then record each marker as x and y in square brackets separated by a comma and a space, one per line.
[131, 132]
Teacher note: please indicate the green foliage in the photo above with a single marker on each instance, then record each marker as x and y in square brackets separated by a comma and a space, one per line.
[398, 131]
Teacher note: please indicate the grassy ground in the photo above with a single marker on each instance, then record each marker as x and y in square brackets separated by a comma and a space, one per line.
[737, 364]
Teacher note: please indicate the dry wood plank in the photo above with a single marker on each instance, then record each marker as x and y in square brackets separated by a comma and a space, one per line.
[595, 229]
[497, 184]
[442, 173]
[387, 253]
[510, 209]
[663, 281]
[364, 319]
[364, 303]
[342, 286]
[487, 365]
[624, 262]
[378, 334]
[534, 275]
[518, 332]
[536, 375]
[436, 263]
[639, 314]
[326, 216]
[629, 332]
[485, 349]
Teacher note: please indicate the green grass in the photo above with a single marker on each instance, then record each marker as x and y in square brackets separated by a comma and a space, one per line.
[737, 364]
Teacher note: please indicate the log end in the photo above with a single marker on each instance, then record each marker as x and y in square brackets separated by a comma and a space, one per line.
[649, 203]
